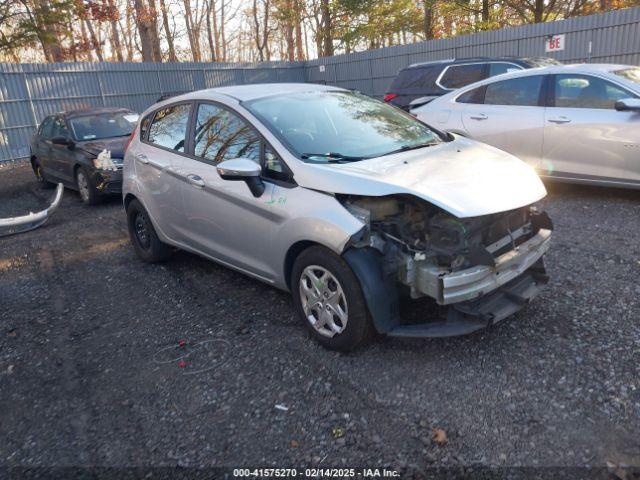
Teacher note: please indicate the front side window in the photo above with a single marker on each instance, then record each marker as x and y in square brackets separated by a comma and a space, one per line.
[585, 91]
[457, 76]
[522, 91]
[221, 135]
[103, 125]
[339, 126]
[169, 127]
[59, 128]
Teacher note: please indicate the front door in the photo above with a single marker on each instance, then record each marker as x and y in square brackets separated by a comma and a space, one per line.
[221, 218]
[585, 136]
[60, 155]
[507, 114]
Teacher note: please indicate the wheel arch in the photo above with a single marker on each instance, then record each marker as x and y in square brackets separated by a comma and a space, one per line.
[290, 257]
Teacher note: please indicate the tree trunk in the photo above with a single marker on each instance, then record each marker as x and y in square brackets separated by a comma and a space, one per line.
[193, 39]
[95, 43]
[168, 33]
[223, 38]
[47, 34]
[153, 31]
[327, 33]
[485, 11]
[143, 29]
[115, 36]
[216, 32]
[538, 11]
[428, 19]
[212, 51]
[298, 25]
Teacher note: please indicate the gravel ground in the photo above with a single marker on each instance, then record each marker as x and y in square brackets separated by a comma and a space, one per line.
[91, 371]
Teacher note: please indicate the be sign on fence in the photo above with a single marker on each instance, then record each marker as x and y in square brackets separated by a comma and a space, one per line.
[554, 43]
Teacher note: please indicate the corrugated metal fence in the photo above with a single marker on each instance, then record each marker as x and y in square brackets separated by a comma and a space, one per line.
[28, 92]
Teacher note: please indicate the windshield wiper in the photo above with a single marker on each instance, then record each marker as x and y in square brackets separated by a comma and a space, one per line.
[332, 157]
[406, 148]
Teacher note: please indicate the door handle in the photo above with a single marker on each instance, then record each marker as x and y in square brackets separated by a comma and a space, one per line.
[195, 180]
[560, 120]
[142, 158]
[479, 116]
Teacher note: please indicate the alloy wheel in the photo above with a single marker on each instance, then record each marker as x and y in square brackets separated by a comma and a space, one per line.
[323, 301]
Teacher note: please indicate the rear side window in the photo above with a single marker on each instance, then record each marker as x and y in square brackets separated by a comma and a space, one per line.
[456, 76]
[523, 91]
[169, 127]
[416, 80]
[472, 96]
[584, 91]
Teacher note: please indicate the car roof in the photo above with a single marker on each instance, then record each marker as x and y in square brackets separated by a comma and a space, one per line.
[80, 112]
[455, 61]
[258, 90]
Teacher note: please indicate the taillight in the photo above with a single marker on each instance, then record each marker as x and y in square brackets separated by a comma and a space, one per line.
[390, 96]
[135, 129]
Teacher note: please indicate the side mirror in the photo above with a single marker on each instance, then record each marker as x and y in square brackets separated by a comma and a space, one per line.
[243, 169]
[60, 141]
[628, 105]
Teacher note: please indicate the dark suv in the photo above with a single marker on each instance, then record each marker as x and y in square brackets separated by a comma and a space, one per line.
[83, 149]
[422, 82]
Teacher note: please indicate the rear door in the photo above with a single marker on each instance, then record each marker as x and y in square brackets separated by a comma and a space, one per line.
[585, 136]
[42, 145]
[60, 155]
[508, 114]
[163, 143]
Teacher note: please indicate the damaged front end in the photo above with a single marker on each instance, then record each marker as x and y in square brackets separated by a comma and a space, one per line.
[481, 269]
[24, 223]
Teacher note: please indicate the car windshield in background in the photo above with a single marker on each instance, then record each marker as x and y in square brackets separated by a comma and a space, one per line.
[632, 74]
[103, 125]
[339, 126]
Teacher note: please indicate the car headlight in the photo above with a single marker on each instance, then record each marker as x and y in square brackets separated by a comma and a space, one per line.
[104, 161]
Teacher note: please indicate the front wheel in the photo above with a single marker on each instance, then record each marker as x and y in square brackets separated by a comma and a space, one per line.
[328, 297]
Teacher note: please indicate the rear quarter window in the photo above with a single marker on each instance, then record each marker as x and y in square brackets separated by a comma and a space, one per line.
[416, 80]
[456, 76]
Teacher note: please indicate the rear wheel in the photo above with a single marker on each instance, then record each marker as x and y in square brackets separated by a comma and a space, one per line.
[143, 236]
[88, 192]
[329, 299]
[37, 170]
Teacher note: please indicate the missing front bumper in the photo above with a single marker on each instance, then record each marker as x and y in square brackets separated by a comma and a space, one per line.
[24, 223]
[468, 317]
[449, 288]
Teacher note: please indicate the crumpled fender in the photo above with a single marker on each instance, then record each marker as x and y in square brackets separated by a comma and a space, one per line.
[380, 290]
[24, 223]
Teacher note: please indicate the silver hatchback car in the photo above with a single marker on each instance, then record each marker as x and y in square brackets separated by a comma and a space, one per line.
[352, 205]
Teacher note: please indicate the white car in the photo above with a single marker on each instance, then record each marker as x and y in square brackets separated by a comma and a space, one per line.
[576, 123]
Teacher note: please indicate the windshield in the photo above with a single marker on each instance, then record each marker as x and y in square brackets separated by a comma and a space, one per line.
[632, 74]
[103, 125]
[326, 126]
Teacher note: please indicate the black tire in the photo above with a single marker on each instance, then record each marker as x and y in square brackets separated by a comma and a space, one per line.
[146, 244]
[87, 190]
[359, 328]
[42, 181]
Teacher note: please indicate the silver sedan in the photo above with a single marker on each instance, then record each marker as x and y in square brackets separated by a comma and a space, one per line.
[575, 123]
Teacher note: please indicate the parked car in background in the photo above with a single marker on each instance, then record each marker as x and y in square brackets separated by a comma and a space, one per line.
[576, 123]
[341, 199]
[83, 149]
[422, 82]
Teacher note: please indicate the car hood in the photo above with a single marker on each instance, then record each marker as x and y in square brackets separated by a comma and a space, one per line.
[464, 177]
[114, 145]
